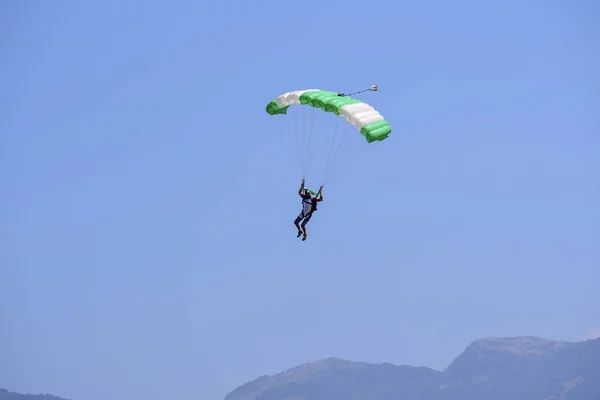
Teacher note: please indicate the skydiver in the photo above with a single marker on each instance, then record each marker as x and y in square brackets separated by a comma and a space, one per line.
[309, 205]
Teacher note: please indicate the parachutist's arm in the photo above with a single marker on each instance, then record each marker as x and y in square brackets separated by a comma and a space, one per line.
[301, 187]
[320, 194]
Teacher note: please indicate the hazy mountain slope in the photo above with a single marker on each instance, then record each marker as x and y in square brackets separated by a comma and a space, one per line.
[6, 395]
[521, 368]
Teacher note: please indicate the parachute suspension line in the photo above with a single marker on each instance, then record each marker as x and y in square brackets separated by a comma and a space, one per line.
[302, 135]
[302, 144]
[288, 137]
[349, 158]
[313, 135]
[323, 132]
[294, 140]
[310, 136]
[345, 139]
[332, 146]
[344, 149]
[347, 151]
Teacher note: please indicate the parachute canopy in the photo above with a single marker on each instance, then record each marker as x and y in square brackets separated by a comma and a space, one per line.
[324, 129]
[368, 121]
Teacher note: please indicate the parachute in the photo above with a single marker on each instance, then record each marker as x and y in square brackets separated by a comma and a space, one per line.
[332, 125]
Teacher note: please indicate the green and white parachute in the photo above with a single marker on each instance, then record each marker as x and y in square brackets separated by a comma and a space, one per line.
[316, 116]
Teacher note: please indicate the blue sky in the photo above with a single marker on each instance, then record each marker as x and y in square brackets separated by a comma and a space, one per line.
[146, 239]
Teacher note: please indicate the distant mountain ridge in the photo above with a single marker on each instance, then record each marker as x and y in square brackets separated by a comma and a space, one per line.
[515, 368]
[6, 395]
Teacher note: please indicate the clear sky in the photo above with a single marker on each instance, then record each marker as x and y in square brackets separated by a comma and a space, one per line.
[146, 240]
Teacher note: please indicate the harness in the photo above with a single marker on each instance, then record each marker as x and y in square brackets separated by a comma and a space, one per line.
[313, 204]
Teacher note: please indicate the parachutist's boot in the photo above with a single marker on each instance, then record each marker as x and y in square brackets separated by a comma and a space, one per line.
[304, 237]
[299, 233]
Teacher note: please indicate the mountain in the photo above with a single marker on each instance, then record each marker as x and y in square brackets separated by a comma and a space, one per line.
[518, 368]
[6, 395]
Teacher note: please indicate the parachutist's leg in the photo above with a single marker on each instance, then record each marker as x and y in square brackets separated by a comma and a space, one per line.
[304, 225]
[297, 223]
